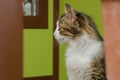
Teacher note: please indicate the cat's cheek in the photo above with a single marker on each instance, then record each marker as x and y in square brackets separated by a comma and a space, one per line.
[58, 37]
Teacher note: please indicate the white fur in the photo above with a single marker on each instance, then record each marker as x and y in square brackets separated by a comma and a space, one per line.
[79, 55]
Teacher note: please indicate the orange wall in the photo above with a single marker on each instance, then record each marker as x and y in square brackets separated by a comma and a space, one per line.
[111, 20]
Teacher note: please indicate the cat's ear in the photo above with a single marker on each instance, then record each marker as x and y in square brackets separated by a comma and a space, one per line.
[69, 10]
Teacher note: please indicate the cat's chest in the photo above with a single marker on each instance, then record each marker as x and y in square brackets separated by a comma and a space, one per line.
[75, 61]
[81, 56]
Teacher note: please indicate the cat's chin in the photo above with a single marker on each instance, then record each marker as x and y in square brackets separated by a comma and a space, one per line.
[61, 40]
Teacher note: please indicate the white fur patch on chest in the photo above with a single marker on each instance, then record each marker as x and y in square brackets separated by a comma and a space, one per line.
[80, 53]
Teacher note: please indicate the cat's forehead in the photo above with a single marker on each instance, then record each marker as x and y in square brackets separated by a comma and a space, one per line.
[65, 19]
[65, 22]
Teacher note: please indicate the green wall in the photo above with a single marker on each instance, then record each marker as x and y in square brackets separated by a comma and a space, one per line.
[38, 48]
[90, 7]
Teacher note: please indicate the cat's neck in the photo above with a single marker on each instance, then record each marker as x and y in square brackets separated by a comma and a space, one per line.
[83, 44]
[81, 41]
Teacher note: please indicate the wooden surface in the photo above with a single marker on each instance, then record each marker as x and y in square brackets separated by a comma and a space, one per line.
[10, 40]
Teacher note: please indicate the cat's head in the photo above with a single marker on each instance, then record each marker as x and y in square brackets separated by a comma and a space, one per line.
[71, 25]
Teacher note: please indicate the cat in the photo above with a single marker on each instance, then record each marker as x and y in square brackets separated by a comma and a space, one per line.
[85, 52]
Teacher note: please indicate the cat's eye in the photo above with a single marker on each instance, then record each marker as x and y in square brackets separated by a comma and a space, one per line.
[66, 29]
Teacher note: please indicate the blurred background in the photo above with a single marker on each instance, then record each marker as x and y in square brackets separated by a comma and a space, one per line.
[111, 23]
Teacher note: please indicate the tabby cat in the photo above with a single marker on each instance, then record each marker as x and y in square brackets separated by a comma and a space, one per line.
[85, 52]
